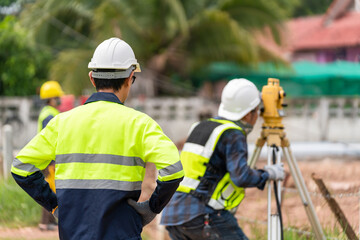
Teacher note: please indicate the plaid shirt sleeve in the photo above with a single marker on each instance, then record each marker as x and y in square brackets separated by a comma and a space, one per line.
[233, 147]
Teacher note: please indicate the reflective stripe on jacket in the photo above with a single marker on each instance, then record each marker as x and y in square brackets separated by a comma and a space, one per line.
[46, 114]
[195, 157]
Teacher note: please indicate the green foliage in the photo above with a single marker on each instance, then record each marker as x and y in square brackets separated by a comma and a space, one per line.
[169, 37]
[58, 24]
[285, 7]
[6, 2]
[23, 67]
[311, 7]
[73, 71]
[17, 208]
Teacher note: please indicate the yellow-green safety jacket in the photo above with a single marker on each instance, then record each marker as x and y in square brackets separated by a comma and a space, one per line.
[195, 157]
[46, 114]
[100, 150]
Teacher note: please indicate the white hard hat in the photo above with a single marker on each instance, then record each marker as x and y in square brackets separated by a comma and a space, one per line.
[114, 53]
[238, 98]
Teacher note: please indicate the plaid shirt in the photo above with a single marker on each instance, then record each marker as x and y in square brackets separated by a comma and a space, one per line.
[230, 155]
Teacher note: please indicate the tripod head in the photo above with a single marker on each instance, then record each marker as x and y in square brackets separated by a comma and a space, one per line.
[272, 96]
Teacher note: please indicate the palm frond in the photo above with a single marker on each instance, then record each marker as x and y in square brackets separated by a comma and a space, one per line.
[215, 36]
[254, 15]
[70, 69]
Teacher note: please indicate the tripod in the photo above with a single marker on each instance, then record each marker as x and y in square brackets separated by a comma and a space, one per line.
[275, 138]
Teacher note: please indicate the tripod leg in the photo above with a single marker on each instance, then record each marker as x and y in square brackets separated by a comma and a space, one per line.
[254, 156]
[269, 217]
[274, 222]
[304, 194]
[278, 160]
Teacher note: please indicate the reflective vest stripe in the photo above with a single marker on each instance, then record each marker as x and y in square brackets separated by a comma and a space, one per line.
[216, 204]
[207, 150]
[24, 166]
[189, 182]
[97, 184]
[99, 158]
[169, 170]
[214, 137]
[227, 193]
[194, 148]
[97, 171]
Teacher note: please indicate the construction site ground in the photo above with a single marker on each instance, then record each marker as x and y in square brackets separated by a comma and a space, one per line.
[341, 176]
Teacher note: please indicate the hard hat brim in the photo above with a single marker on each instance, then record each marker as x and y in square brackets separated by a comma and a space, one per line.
[231, 115]
[234, 116]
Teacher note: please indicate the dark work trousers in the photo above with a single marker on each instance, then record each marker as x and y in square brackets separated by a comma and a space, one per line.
[223, 226]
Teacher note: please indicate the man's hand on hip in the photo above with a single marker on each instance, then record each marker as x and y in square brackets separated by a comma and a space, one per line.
[144, 210]
[276, 171]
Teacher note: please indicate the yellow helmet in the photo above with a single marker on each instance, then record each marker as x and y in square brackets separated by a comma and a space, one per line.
[50, 89]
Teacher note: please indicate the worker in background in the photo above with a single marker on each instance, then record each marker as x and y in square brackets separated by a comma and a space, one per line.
[100, 150]
[214, 158]
[50, 93]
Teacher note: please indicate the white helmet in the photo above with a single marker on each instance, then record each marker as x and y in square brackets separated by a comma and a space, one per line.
[238, 98]
[114, 53]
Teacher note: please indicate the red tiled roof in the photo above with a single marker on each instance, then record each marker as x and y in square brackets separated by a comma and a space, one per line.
[309, 33]
[292, 32]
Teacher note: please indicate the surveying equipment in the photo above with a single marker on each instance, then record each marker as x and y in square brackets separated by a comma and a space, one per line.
[274, 135]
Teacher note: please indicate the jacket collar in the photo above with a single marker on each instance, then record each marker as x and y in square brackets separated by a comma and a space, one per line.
[103, 96]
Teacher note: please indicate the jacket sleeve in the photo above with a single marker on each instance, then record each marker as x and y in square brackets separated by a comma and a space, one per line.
[34, 157]
[161, 151]
[46, 121]
[234, 147]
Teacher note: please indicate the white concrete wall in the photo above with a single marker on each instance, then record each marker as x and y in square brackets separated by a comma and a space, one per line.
[327, 119]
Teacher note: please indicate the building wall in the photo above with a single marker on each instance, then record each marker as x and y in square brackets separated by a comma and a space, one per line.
[351, 54]
[324, 56]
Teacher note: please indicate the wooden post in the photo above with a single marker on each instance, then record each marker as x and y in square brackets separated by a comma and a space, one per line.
[7, 150]
[335, 208]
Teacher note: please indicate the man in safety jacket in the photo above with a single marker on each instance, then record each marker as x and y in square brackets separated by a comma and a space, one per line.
[50, 93]
[214, 158]
[100, 150]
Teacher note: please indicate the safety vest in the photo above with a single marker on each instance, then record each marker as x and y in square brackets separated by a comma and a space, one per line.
[46, 112]
[195, 158]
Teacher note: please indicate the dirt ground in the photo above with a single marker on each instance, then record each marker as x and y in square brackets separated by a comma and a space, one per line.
[341, 176]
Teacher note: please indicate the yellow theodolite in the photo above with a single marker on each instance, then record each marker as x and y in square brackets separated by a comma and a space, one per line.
[273, 134]
[272, 96]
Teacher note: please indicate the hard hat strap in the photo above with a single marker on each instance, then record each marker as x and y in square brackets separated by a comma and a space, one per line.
[113, 75]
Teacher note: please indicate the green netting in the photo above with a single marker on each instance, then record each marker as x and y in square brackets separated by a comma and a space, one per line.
[302, 79]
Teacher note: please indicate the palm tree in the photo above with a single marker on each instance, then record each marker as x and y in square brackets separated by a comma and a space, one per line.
[167, 35]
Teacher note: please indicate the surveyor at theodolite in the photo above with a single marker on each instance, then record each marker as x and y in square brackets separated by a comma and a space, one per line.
[214, 158]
